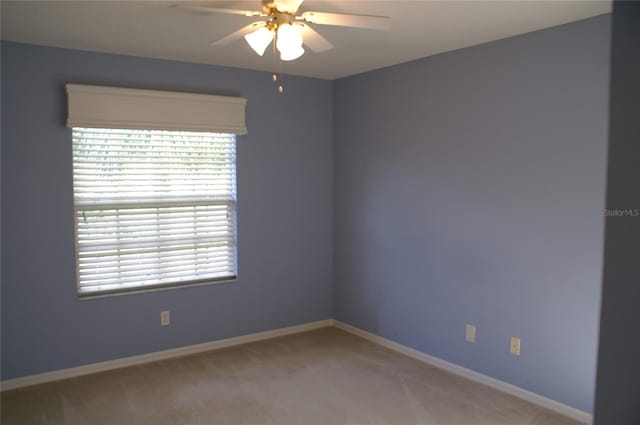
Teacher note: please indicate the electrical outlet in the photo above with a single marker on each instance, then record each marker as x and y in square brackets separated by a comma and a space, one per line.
[515, 346]
[165, 318]
[470, 333]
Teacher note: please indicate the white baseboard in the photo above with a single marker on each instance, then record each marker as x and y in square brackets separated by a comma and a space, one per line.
[73, 372]
[521, 393]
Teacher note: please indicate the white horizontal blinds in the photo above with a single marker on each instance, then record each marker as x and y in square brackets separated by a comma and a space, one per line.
[153, 207]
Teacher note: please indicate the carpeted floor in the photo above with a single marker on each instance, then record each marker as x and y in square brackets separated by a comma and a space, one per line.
[321, 377]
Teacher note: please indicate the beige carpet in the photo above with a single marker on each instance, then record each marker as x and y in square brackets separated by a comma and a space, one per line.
[320, 377]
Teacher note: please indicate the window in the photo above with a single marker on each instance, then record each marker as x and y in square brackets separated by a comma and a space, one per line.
[154, 187]
[153, 208]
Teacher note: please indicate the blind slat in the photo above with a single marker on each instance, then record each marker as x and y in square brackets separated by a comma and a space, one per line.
[165, 270]
[158, 278]
[105, 224]
[136, 251]
[149, 205]
[109, 264]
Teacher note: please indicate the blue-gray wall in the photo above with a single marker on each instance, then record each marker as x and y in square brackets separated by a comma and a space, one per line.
[469, 187]
[284, 215]
[618, 384]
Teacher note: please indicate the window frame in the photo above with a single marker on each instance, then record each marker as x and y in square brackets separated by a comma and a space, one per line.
[233, 201]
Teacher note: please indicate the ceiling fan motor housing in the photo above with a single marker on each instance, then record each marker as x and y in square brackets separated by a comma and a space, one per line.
[277, 19]
[288, 7]
[276, 16]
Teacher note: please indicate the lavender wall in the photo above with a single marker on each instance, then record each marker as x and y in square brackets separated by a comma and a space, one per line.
[284, 215]
[469, 188]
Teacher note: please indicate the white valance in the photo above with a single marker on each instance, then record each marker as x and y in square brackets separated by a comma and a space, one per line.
[114, 107]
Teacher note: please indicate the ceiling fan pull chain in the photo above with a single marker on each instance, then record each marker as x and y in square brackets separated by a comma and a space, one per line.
[280, 88]
[274, 77]
[277, 65]
[275, 58]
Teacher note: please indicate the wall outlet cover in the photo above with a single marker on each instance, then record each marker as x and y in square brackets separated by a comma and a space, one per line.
[165, 318]
[470, 333]
[515, 346]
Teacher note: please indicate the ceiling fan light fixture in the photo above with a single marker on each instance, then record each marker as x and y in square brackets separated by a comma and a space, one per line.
[259, 40]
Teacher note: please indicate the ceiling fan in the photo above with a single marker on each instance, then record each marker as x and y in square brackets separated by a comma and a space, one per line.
[283, 21]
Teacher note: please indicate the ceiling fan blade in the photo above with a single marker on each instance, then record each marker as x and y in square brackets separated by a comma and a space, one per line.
[348, 20]
[219, 10]
[313, 39]
[239, 34]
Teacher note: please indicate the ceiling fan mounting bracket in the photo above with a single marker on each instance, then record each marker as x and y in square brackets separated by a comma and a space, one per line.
[268, 6]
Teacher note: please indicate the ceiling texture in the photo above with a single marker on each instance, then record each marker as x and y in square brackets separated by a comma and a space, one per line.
[161, 30]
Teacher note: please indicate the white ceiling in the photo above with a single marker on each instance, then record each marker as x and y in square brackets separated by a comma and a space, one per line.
[155, 29]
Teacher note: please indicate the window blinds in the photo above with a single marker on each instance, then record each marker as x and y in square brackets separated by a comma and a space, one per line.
[152, 208]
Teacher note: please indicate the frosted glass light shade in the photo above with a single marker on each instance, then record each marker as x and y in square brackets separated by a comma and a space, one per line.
[292, 53]
[289, 38]
[259, 40]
